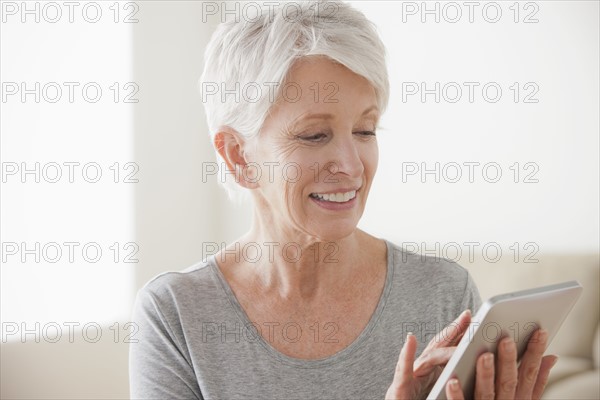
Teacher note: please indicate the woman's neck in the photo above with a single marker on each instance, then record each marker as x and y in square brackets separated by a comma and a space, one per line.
[301, 268]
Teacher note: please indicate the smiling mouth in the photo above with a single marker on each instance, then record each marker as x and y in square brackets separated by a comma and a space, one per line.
[341, 197]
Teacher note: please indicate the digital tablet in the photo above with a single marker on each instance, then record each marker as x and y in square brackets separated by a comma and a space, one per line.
[517, 315]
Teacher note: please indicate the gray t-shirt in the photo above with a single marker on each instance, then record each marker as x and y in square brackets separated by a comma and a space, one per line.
[196, 342]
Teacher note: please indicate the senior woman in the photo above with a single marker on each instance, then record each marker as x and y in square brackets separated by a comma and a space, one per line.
[306, 305]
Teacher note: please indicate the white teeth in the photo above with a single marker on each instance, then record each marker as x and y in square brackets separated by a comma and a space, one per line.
[336, 197]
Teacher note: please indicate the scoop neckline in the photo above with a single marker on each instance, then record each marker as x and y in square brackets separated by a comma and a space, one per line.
[311, 363]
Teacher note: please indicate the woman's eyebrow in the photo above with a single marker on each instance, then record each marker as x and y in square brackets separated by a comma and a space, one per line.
[326, 116]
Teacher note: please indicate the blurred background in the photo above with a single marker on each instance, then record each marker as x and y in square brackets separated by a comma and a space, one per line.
[489, 155]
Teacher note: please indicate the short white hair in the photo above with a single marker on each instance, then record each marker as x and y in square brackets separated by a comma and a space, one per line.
[248, 59]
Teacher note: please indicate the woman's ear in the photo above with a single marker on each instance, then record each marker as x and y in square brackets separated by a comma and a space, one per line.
[230, 146]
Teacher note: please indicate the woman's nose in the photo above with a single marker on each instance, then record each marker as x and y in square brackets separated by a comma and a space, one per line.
[345, 158]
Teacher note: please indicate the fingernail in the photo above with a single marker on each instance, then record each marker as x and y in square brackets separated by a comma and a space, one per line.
[453, 384]
[488, 360]
[509, 346]
[554, 361]
[543, 334]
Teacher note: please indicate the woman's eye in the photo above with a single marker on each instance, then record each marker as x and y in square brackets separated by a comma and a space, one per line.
[314, 138]
[366, 133]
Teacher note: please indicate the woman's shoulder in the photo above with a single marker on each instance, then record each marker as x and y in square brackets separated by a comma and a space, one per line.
[419, 254]
[425, 266]
[437, 277]
[197, 279]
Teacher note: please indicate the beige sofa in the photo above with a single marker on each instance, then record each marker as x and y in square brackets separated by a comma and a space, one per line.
[576, 375]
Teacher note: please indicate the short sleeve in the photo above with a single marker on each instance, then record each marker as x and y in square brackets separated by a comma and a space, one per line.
[159, 365]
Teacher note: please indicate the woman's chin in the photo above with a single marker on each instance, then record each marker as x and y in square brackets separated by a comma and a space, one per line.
[334, 229]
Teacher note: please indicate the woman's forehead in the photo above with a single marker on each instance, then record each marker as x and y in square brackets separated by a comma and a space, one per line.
[320, 89]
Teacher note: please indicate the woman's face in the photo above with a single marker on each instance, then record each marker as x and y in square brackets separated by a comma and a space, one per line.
[317, 151]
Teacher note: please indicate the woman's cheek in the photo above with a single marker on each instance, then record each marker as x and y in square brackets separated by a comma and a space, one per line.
[371, 159]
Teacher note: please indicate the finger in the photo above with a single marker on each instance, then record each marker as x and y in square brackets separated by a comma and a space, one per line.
[546, 365]
[450, 334]
[507, 372]
[429, 360]
[403, 377]
[530, 364]
[453, 390]
[484, 377]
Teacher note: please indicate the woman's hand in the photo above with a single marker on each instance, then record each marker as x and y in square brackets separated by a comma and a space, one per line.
[414, 379]
[503, 380]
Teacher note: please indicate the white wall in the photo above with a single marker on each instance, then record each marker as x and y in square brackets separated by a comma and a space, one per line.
[52, 131]
[49, 295]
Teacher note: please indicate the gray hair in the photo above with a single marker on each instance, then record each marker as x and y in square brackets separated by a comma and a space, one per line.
[247, 60]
